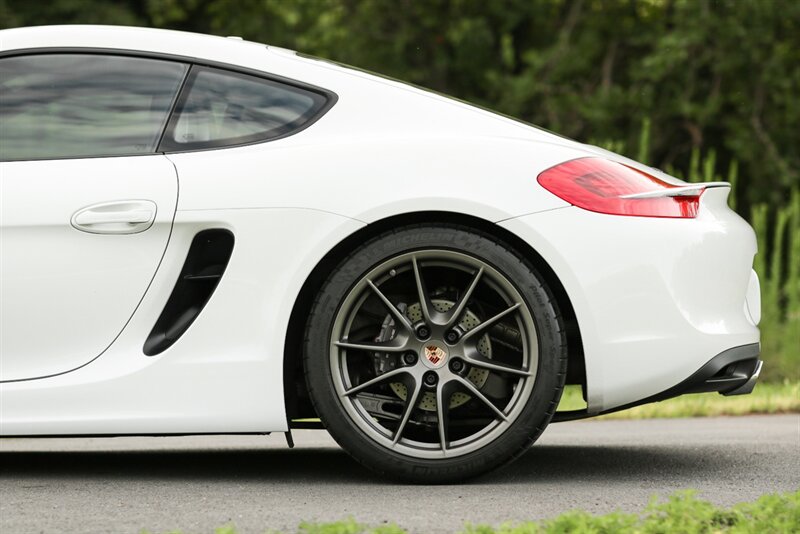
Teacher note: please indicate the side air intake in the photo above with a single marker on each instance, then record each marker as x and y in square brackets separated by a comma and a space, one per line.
[205, 263]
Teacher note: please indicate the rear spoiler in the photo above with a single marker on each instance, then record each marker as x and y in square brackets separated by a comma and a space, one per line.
[691, 190]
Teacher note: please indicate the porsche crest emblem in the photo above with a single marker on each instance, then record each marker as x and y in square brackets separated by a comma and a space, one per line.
[435, 354]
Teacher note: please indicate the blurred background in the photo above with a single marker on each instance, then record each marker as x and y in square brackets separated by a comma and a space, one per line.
[704, 89]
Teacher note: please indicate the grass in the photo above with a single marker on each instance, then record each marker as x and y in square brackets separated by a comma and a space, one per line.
[767, 398]
[779, 272]
[681, 513]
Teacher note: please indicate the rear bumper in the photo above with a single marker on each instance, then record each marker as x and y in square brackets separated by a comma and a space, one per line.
[732, 372]
[654, 298]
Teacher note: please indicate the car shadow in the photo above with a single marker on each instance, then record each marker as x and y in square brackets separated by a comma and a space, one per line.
[609, 464]
[541, 464]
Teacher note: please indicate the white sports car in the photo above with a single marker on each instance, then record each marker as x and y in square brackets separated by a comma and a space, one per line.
[207, 235]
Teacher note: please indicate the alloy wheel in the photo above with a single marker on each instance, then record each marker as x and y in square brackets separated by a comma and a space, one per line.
[433, 353]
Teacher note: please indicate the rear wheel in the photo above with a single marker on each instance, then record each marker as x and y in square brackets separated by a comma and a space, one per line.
[434, 354]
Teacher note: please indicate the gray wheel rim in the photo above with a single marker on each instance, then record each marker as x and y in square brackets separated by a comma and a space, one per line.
[408, 429]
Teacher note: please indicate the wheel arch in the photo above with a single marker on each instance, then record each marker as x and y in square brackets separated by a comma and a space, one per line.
[296, 398]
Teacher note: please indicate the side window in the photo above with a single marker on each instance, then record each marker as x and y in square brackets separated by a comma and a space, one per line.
[83, 105]
[220, 108]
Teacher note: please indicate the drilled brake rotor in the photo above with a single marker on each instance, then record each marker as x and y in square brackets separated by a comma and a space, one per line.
[477, 376]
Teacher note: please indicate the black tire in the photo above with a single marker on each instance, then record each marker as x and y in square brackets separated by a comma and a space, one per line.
[534, 411]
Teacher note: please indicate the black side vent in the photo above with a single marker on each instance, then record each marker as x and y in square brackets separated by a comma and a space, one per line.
[208, 256]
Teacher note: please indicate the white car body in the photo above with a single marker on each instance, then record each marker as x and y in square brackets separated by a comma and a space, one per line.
[655, 299]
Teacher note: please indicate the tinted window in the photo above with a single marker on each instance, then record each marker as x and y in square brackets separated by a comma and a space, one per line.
[221, 108]
[75, 105]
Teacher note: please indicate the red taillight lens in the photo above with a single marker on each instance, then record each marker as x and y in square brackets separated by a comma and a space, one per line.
[609, 187]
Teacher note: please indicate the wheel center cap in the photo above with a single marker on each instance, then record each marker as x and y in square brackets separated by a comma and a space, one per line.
[435, 355]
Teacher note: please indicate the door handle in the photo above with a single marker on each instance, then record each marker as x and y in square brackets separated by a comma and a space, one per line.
[119, 217]
[89, 218]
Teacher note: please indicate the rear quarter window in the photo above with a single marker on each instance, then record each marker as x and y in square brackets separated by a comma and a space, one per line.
[220, 108]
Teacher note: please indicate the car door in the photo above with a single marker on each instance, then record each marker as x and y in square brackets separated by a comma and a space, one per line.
[86, 203]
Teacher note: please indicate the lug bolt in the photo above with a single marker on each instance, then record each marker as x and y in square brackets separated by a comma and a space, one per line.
[423, 331]
[409, 358]
[430, 378]
[451, 336]
[456, 366]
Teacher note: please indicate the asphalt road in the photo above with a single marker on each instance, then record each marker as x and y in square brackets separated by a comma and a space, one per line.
[124, 485]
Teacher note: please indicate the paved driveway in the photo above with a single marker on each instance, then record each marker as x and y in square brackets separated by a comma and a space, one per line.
[124, 485]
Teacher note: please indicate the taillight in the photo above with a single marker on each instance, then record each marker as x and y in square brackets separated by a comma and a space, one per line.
[605, 186]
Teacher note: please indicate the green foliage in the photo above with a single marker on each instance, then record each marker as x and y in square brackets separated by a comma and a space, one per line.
[348, 526]
[681, 513]
[778, 267]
